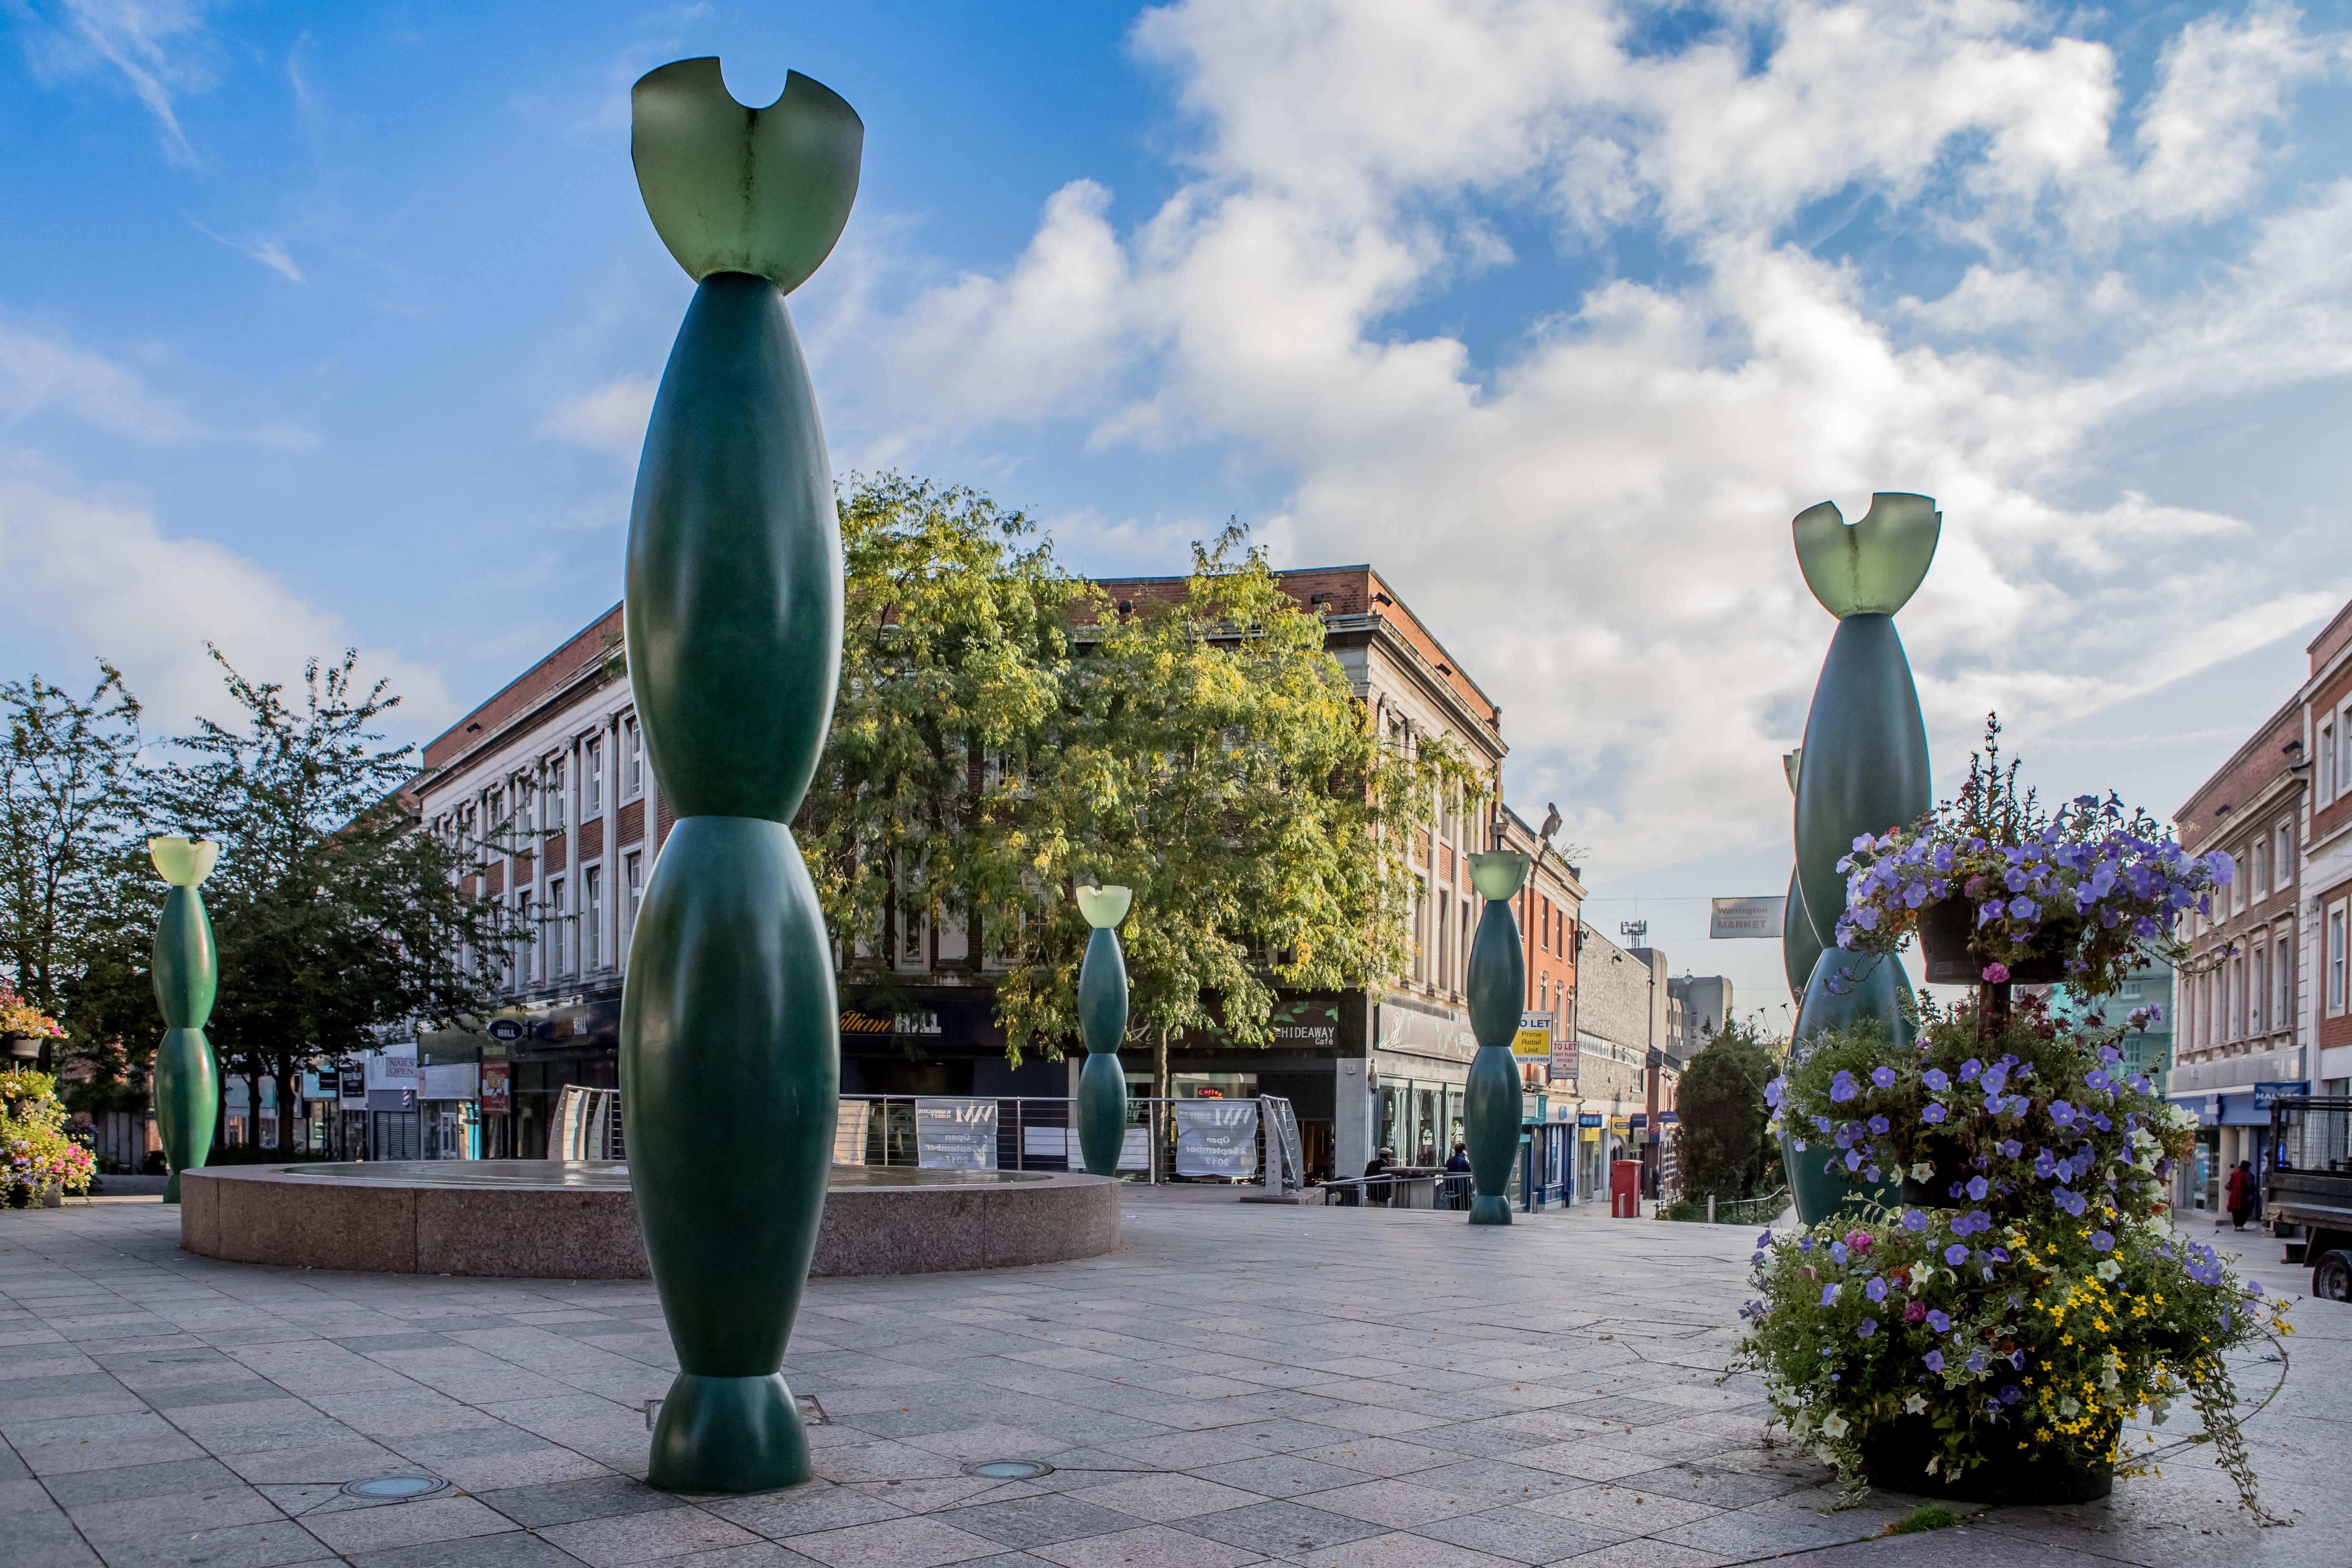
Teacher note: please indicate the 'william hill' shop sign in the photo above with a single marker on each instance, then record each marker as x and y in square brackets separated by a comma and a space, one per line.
[920, 1024]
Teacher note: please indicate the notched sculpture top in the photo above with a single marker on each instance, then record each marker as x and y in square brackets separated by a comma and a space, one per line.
[1871, 567]
[736, 189]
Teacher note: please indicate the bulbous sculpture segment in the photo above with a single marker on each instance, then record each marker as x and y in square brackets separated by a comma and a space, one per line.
[1800, 944]
[1845, 989]
[1865, 759]
[733, 609]
[185, 971]
[730, 1073]
[1491, 1101]
[1102, 1023]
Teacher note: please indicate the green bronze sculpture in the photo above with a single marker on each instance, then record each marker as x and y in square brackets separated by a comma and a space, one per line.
[1491, 1101]
[730, 1034]
[1102, 1021]
[186, 972]
[1863, 769]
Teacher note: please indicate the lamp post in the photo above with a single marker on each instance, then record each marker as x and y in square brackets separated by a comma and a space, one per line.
[186, 972]
[1102, 1023]
[1491, 1104]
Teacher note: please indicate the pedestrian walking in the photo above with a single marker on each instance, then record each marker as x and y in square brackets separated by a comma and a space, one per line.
[2241, 1195]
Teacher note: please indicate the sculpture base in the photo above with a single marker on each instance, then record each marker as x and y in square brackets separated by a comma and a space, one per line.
[729, 1435]
[1485, 1210]
[172, 1188]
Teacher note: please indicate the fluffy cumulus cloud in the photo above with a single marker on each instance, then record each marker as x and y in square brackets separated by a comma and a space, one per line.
[1593, 510]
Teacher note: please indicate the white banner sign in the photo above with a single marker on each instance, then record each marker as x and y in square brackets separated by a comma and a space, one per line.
[955, 1134]
[1730, 918]
[1216, 1138]
[1135, 1149]
[849, 1131]
[451, 1080]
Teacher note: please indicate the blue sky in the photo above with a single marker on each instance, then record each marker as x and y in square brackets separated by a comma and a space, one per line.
[336, 324]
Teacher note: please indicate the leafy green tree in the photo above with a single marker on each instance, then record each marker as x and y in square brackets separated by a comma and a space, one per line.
[1720, 1142]
[1004, 733]
[72, 896]
[336, 918]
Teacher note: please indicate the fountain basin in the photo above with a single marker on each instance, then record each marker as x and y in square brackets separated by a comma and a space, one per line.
[577, 1219]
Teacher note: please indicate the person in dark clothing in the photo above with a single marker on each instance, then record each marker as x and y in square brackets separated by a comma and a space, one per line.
[1377, 1193]
[2241, 1196]
[1461, 1159]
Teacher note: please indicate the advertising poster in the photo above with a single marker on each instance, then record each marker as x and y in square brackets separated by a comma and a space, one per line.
[1534, 1038]
[497, 1089]
[955, 1134]
[1731, 917]
[849, 1131]
[1216, 1138]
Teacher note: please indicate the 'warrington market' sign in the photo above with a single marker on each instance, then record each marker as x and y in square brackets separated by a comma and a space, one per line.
[1746, 917]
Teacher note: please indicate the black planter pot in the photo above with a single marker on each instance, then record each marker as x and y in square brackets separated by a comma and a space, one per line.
[1895, 1460]
[1947, 929]
[1936, 1191]
[20, 1047]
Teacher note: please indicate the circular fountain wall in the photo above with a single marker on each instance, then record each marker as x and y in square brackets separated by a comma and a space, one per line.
[577, 1219]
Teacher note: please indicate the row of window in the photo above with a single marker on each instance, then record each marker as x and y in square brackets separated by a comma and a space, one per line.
[2246, 996]
[512, 807]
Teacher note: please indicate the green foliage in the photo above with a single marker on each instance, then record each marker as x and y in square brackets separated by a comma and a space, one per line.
[2043, 1309]
[1004, 732]
[1720, 1143]
[1927, 1517]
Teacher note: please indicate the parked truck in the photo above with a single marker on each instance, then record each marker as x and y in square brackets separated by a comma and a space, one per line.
[2309, 1187]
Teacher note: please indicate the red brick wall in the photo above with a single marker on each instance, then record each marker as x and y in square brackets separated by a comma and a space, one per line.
[592, 837]
[558, 854]
[664, 820]
[632, 825]
[2203, 824]
[496, 880]
[527, 691]
[2337, 1031]
[2325, 703]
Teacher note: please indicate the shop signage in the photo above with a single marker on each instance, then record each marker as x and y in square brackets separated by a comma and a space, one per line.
[1729, 918]
[1589, 1119]
[850, 1117]
[451, 1080]
[920, 1025]
[2267, 1093]
[1621, 1124]
[496, 1091]
[506, 1029]
[1216, 1137]
[353, 1084]
[392, 1099]
[1411, 1032]
[1534, 1038]
[955, 1134]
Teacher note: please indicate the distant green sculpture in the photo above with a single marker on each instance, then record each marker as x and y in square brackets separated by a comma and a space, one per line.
[1863, 769]
[1492, 1100]
[1102, 1024]
[730, 1055]
[186, 972]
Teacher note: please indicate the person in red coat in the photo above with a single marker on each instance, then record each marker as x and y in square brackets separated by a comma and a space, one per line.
[2241, 1195]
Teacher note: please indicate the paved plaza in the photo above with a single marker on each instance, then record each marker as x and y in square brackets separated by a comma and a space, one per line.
[1240, 1384]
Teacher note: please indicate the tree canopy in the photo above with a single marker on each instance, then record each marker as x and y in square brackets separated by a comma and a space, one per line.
[1720, 1143]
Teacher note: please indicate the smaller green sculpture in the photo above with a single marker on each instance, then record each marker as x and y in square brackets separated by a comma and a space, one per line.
[186, 972]
[1102, 1021]
[1491, 1101]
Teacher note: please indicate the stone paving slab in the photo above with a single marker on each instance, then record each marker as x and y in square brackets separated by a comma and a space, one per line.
[1242, 1384]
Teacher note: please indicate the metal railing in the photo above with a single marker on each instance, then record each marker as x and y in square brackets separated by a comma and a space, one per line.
[1036, 1132]
[1401, 1190]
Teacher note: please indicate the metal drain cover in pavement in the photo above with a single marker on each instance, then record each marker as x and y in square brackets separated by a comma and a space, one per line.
[394, 1488]
[1008, 1469]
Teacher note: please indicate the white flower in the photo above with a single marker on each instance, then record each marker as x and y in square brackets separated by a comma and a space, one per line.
[2109, 1269]
[1835, 1426]
[2069, 1405]
[2107, 1378]
[1916, 1404]
[1923, 1172]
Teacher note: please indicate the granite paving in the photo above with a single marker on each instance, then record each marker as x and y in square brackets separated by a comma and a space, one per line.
[1242, 1383]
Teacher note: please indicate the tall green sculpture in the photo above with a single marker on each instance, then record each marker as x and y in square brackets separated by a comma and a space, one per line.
[1102, 1023]
[1491, 1101]
[186, 972]
[1863, 769]
[730, 1055]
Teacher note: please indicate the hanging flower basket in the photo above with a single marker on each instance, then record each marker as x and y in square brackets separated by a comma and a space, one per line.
[20, 1047]
[1946, 940]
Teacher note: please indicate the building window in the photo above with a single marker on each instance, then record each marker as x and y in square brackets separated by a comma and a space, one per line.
[559, 942]
[2335, 961]
[2283, 980]
[633, 892]
[591, 918]
[2258, 993]
[591, 777]
[2283, 856]
[2327, 769]
[1420, 931]
[2238, 882]
[555, 792]
[633, 759]
[1444, 939]
[535, 954]
[2259, 872]
[2236, 1002]
[1461, 979]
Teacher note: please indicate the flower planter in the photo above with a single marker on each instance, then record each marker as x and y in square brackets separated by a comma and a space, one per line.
[1895, 1460]
[20, 1047]
[1946, 928]
[1936, 1191]
[1819, 1194]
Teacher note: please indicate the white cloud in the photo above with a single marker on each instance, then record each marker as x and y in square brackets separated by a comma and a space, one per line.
[1597, 522]
[2224, 83]
[44, 371]
[154, 47]
[265, 248]
[94, 575]
[610, 418]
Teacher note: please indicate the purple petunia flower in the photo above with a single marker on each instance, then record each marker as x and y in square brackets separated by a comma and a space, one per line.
[1956, 1255]
[2061, 1113]
[1843, 1088]
[1970, 1069]
[1913, 1219]
[1978, 1187]
[1853, 1159]
[1938, 1320]
[1934, 1111]
[1882, 1076]
[1937, 1079]
[1880, 1126]
[2103, 1241]
[1934, 1360]
[1876, 1288]
[1829, 1295]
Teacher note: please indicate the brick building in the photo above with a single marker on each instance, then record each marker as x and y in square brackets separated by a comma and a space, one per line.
[557, 750]
[2262, 1007]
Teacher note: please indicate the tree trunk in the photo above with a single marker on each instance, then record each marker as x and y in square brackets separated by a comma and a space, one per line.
[1159, 1082]
[253, 1104]
[289, 1083]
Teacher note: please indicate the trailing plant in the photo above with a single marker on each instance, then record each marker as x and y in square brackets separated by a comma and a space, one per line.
[35, 1153]
[2047, 1305]
[2104, 885]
